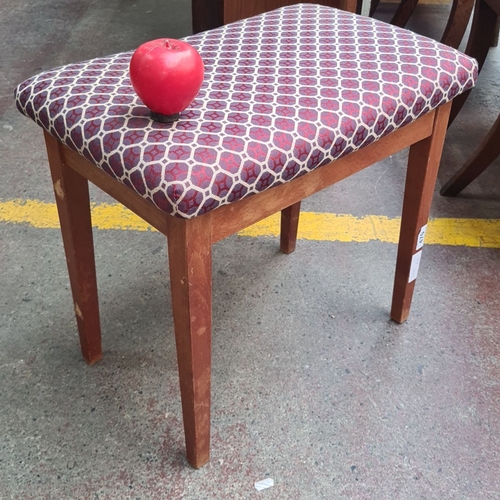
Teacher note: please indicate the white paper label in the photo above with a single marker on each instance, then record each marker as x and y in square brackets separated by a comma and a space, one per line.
[415, 263]
[421, 237]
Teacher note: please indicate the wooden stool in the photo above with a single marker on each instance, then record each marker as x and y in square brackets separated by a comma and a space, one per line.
[293, 101]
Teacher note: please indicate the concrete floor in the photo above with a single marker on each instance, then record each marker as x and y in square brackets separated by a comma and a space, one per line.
[312, 384]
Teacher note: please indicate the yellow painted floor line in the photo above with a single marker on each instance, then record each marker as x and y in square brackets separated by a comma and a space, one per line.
[484, 233]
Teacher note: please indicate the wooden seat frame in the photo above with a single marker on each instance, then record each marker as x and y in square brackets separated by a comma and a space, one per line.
[190, 241]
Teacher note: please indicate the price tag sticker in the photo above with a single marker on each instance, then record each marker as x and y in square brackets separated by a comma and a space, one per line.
[415, 264]
[421, 237]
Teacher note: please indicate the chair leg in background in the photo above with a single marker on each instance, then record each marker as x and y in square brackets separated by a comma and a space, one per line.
[481, 38]
[404, 12]
[457, 22]
[483, 157]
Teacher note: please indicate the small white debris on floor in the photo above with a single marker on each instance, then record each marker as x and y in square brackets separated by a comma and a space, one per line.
[264, 484]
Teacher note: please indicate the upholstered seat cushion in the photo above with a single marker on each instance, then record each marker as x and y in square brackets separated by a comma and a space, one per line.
[284, 93]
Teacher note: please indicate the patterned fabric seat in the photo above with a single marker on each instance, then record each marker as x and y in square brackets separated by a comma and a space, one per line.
[284, 93]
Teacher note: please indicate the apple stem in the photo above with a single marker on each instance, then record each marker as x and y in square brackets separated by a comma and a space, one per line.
[167, 44]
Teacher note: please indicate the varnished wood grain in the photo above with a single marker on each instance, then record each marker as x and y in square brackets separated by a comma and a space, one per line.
[126, 196]
[423, 165]
[73, 205]
[189, 248]
[289, 227]
[232, 218]
[190, 262]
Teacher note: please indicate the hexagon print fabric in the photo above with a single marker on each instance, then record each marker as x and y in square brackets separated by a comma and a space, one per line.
[284, 93]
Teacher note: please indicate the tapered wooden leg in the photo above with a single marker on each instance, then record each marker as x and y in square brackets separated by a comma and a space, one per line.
[485, 154]
[289, 227]
[423, 164]
[72, 198]
[190, 262]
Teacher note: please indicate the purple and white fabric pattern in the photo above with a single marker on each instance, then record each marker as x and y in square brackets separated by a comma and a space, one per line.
[284, 93]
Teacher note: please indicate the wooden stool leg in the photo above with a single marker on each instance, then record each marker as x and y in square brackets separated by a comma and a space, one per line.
[190, 262]
[289, 227]
[483, 157]
[72, 198]
[423, 164]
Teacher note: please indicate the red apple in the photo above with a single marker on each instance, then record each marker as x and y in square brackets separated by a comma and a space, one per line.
[166, 74]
